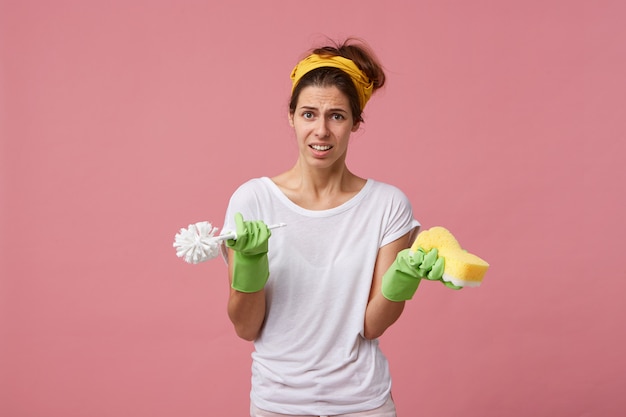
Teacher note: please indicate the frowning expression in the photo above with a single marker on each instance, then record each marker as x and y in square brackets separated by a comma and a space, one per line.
[323, 123]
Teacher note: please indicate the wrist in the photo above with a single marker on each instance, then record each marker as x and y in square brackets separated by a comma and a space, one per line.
[401, 279]
[250, 272]
[399, 286]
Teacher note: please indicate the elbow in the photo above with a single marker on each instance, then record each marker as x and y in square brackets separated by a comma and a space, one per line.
[246, 333]
[371, 334]
[245, 329]
[378, 320]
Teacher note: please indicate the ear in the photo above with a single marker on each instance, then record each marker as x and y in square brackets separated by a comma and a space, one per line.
[356, 126]
[290, 116]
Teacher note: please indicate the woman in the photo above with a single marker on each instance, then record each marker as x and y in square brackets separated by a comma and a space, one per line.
[316, 296]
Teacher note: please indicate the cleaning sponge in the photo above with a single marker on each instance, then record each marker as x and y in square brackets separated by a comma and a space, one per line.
[462, 268]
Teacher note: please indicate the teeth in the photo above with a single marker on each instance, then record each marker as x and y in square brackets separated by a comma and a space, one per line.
[321, 147]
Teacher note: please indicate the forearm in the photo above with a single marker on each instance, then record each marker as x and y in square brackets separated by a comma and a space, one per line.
[380, 314]
[247, 313]
[246, 310]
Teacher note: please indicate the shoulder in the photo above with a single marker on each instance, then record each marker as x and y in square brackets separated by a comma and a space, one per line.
[252, 186]
[249, 191]
[397, 210]
[388, 191]
[251, 199]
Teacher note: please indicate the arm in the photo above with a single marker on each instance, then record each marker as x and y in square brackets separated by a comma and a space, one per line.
[245, 310]
[381, 312]
[248, 270]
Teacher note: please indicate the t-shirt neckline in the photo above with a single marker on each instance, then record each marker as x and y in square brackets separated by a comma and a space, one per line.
[353, 201]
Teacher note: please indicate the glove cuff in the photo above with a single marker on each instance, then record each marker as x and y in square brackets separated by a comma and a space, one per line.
[400, 281]
[250, 273]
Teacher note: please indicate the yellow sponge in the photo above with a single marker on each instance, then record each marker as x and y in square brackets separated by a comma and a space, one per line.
[461, 268]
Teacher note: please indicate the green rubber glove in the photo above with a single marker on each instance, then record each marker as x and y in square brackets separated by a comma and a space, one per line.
[403, 276]
[250, 263]
[436, 273]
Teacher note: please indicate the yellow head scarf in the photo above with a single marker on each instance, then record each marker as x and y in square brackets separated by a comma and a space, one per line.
[362, 83]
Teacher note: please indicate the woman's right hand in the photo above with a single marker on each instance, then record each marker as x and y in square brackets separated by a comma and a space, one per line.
[250, 263]
[252, 236]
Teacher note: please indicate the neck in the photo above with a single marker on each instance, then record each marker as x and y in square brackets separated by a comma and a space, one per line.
[334, 179]
[319, 189]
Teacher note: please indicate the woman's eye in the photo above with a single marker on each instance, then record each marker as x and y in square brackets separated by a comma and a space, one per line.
[337, 116]
[307, 115]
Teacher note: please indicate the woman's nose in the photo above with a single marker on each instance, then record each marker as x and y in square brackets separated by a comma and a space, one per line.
[322, 128]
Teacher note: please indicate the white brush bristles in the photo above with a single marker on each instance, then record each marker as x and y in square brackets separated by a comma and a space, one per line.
[197, 243]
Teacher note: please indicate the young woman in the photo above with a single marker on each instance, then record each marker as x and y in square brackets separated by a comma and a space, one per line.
[316, 296]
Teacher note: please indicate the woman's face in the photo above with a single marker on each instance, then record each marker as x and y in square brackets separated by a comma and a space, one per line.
[323, 123]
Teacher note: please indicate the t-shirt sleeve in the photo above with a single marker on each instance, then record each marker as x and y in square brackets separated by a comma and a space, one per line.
[399, 217]
[244, 200]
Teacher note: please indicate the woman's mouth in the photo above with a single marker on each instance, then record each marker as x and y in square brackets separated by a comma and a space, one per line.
[320, 148]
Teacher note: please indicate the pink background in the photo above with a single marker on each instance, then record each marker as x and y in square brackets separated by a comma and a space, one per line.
[123, 121]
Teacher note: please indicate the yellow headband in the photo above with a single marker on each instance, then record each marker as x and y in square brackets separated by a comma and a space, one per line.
[364, 86]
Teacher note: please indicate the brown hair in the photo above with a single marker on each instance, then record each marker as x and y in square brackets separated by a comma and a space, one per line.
[356, 51]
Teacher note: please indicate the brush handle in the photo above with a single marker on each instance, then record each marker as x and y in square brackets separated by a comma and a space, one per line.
[233, 235]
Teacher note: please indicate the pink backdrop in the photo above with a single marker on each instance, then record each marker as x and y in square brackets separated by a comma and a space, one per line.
[123, 121]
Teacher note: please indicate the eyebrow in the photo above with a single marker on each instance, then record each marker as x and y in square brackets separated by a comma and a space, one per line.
[333, 110]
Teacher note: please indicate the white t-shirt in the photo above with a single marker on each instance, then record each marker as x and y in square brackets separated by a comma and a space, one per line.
[311, 356]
